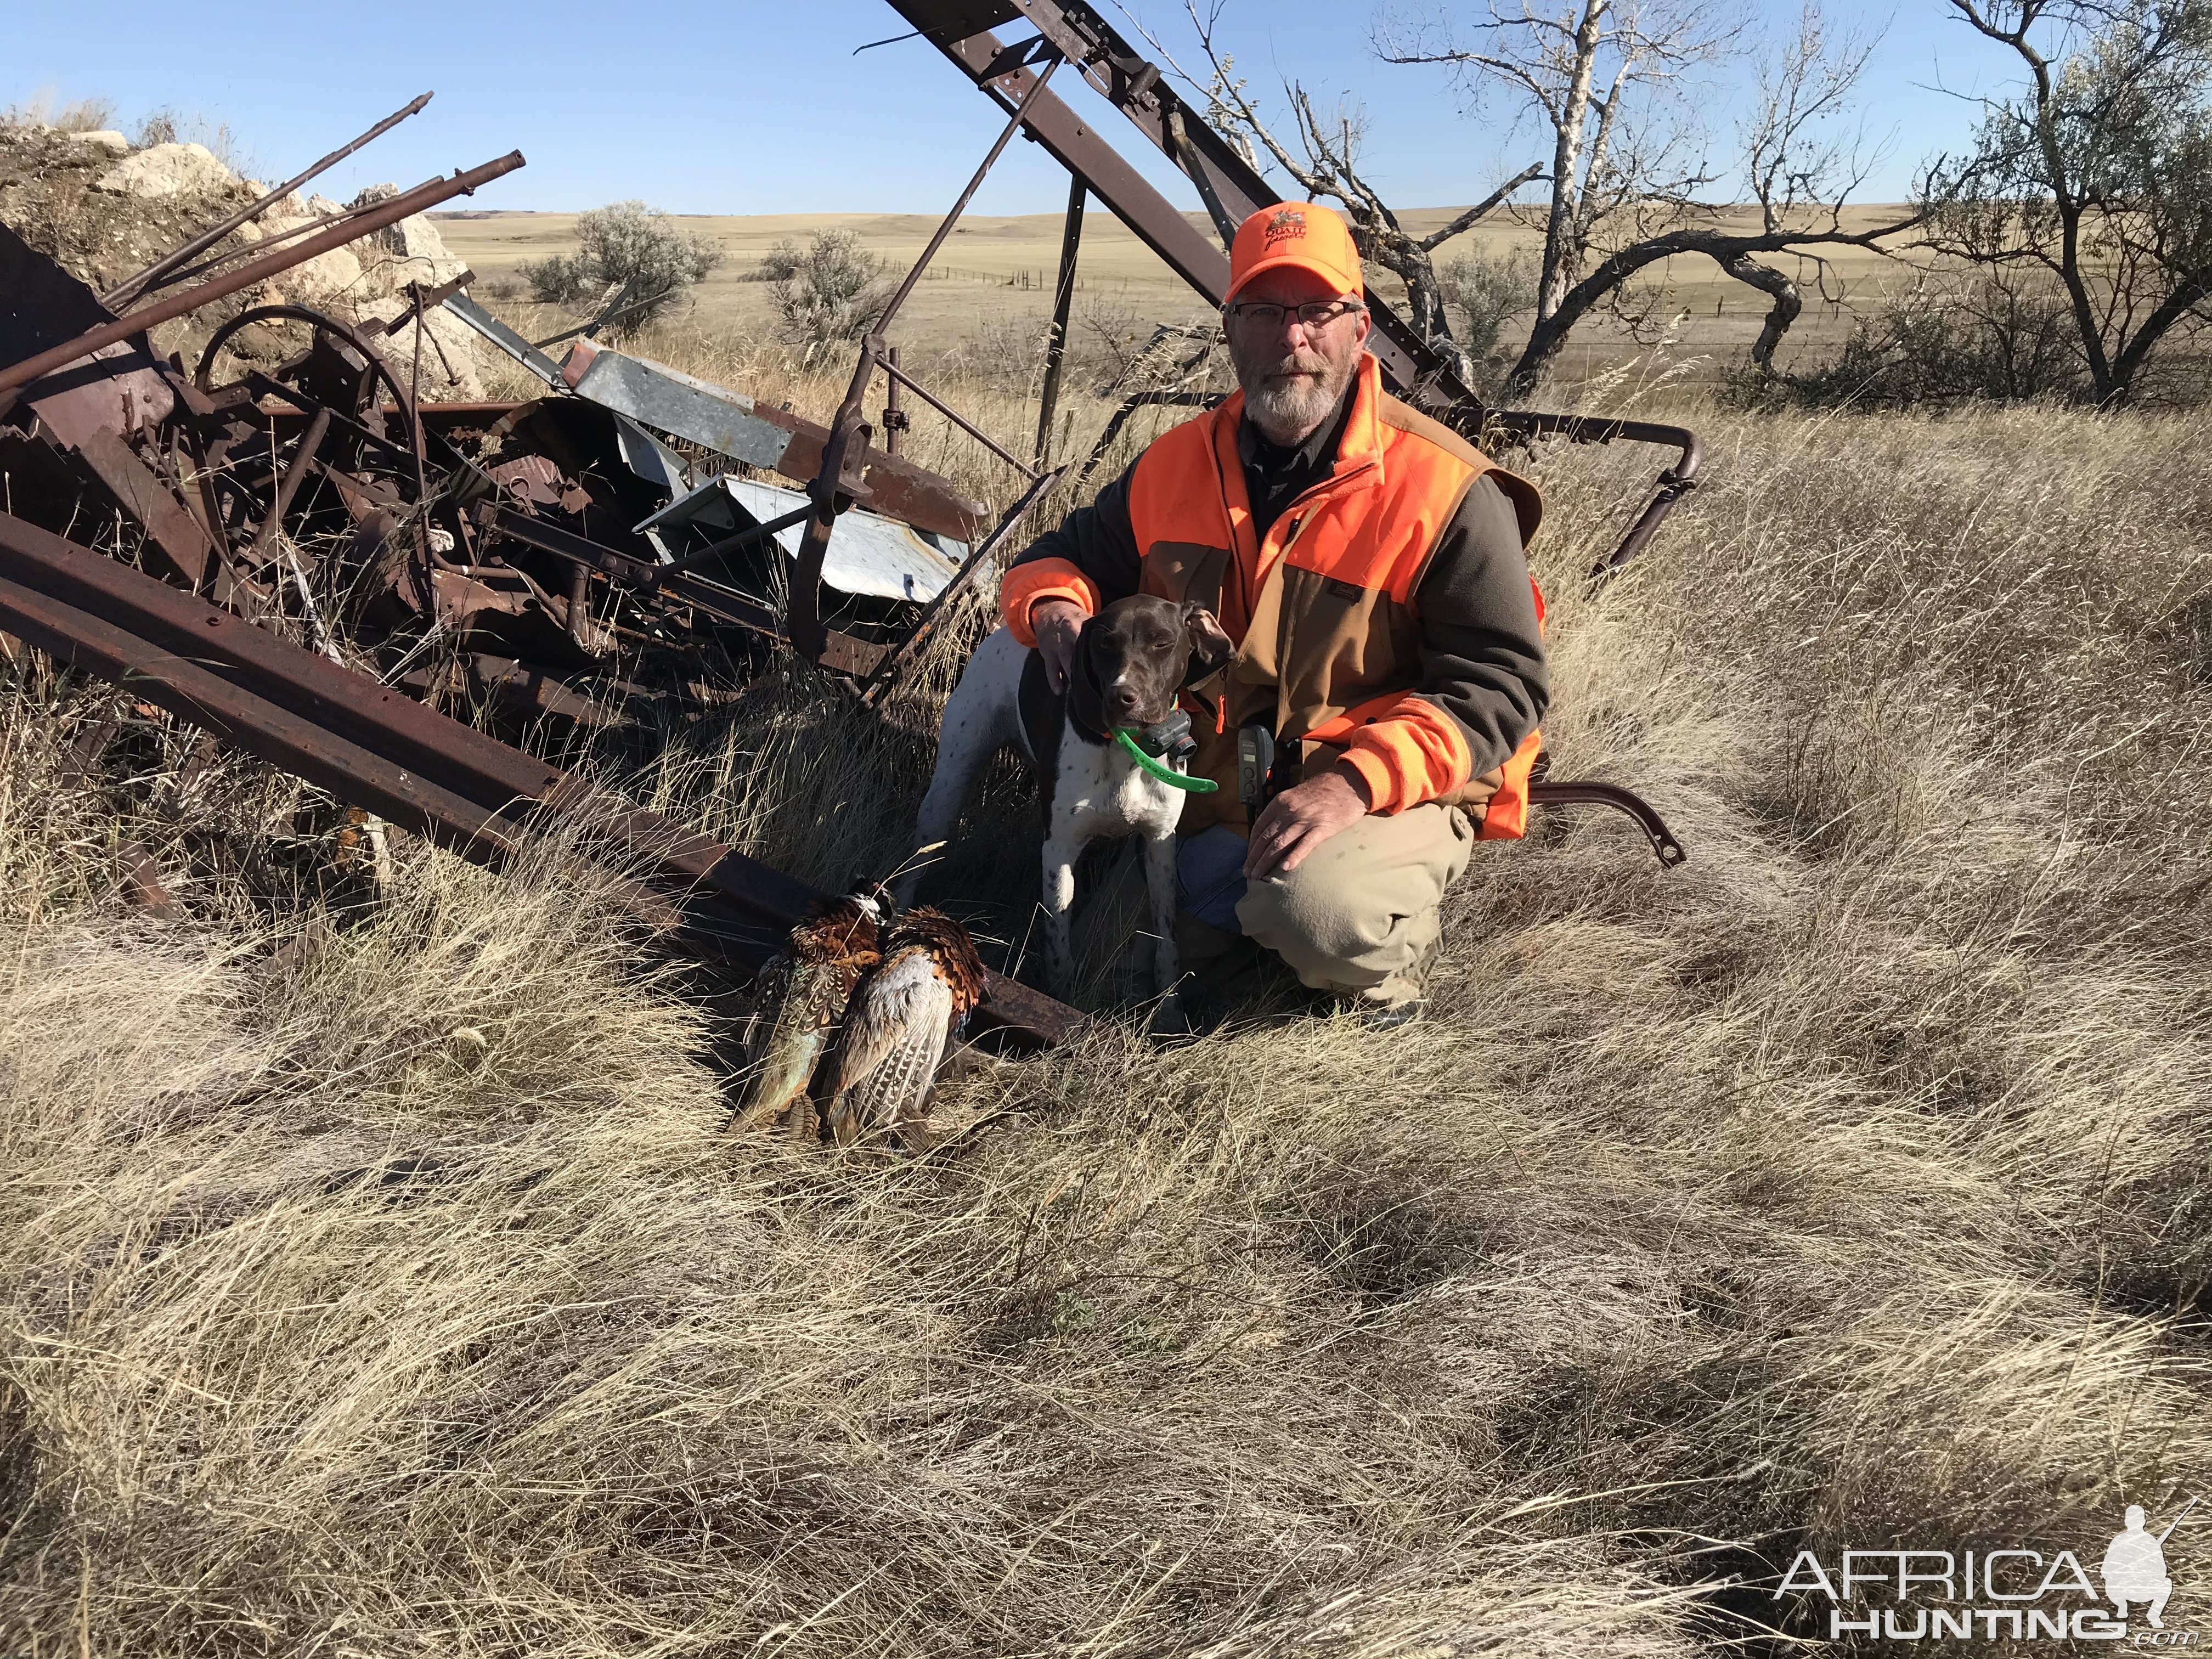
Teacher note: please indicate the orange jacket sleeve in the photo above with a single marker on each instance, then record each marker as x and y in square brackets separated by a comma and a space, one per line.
[1090, 557]
[1410, 752]
[1042, 579]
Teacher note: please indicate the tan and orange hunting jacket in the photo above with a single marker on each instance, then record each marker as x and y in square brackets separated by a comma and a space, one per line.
[1383, 616]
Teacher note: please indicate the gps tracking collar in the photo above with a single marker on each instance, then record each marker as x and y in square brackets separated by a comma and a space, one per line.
[1169, 737]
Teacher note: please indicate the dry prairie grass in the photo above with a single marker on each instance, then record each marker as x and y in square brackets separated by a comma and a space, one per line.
[1847, 1187]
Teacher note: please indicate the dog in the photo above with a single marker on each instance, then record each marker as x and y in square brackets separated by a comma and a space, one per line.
[1131, 660]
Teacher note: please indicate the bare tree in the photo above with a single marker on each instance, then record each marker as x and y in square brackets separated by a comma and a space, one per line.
[1325, 167]
[1600, 74]
[1794, 158]
[1591, 69]
[1792, 155]
[2099, 173]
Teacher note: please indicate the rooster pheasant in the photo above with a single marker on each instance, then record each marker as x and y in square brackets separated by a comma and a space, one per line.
[802, 995]
[895, 1029]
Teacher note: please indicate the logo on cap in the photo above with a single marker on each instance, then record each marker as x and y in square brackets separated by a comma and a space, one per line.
[1287, 223]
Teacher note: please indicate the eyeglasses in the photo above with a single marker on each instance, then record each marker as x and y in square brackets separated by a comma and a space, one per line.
[1314, 313]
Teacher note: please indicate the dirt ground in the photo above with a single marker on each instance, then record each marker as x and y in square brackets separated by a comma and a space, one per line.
[996, 274]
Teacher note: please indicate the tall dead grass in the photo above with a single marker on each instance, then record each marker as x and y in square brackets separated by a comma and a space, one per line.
[1848, 1186]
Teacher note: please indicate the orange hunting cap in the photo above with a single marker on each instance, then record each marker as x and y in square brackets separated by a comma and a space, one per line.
[1299, 234]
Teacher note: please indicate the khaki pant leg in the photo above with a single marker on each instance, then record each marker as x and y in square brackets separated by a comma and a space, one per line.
[1359, 914]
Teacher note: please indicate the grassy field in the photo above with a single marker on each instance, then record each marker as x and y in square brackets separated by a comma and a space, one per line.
[994, 279]
[374, 1280]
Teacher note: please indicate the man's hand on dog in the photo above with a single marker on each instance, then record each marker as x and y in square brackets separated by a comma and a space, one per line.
[1302, 818]
[1056, 623]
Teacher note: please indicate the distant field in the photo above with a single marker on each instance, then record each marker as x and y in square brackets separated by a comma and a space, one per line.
[995, 274]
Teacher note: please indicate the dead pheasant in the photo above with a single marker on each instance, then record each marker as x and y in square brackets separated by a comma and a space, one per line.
[896, 1027]
[801, 995]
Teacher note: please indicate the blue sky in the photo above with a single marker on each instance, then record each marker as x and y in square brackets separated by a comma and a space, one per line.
[746, 107]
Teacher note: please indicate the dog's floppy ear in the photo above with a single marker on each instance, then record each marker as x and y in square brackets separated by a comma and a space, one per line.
[1085, 696]
[1210, 644]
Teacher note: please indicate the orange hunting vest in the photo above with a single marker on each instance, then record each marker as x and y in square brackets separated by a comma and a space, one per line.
[1321, 607]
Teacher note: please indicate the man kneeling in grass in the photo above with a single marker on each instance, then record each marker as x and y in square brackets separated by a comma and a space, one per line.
[1368, 565]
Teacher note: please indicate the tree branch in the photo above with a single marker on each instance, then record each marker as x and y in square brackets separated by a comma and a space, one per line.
[1483, 209]
[1551, 332]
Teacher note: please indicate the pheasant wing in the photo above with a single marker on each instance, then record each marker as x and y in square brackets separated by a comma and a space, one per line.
[894, 1038]
[797, 1006]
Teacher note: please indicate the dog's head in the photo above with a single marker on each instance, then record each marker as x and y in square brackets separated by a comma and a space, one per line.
[1134, 656]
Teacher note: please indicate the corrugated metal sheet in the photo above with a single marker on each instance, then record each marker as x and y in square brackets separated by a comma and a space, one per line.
[669, 400]
[868, 554]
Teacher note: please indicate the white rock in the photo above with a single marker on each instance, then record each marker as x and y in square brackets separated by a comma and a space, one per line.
[289, 207]
[326, 279]
[167, 170]
[321, 207]
[419, 240]
[372, 195]
[409, 251]
[113, 142]
[275, 222]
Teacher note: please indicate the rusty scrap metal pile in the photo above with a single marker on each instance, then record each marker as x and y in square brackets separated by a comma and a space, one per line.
[558, 556]
[308, 560]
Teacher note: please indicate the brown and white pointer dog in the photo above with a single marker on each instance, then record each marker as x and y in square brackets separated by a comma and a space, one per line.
[1130, 661]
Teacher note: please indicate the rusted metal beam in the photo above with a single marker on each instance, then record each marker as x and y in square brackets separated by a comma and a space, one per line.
[1063, 300]
[1137, 89]
[159, 674]
[289, 482]
[140, 878]
[15, 378]
[172, 533]
[891, 371]
[894, 418]
[849, 432]
[372, 746]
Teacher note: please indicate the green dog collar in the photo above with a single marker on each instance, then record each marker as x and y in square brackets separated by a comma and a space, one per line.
[1166, 774]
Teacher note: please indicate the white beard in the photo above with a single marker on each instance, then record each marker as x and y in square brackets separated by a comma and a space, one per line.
[1293, 409]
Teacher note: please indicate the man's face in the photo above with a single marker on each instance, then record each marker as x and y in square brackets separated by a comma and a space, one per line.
[1293, 375]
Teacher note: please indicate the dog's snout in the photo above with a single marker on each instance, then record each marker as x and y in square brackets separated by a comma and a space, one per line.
[1124, 696]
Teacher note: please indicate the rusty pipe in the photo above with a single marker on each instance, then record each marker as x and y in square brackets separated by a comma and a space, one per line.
[580, 603]
[131, 286]
[15, 378]
[288, 485]
[1677, 481]
[1544, 791]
